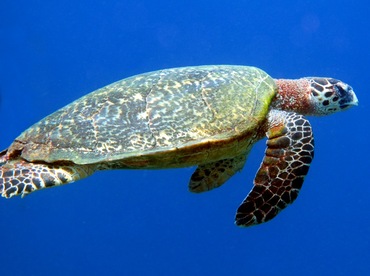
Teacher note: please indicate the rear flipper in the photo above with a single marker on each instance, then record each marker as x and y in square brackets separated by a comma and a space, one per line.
[19, 177]
[212, 175]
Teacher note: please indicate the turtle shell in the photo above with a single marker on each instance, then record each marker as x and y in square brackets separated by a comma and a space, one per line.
[152, 113]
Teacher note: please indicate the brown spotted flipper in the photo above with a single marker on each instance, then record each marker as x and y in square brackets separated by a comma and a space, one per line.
[290, 150]
[212, 175]
[19, 177]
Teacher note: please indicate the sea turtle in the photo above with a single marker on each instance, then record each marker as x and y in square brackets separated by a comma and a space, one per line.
[209, 116]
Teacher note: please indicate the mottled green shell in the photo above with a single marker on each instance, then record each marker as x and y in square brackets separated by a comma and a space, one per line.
[153, 112]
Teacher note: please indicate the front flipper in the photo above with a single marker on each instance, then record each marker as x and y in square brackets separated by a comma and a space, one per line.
[212, 175]
[19, 177]
[289, 153]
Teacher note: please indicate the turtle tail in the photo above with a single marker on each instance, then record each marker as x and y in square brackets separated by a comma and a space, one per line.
[19, 177]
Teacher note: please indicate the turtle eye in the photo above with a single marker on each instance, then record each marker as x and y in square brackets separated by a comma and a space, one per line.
[340, 91]
[345, 94]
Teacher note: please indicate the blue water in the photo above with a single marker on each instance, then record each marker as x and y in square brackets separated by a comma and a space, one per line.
[146, 222]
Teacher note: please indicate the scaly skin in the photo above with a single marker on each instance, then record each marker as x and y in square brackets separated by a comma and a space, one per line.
[21, 177]
[290, 150]
[290, 144]
[208, 116]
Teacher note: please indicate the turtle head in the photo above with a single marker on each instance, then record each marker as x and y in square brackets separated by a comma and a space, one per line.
[330, 95]
[314, 96]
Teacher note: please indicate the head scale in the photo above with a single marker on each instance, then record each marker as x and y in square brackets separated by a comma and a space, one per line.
[330, 95]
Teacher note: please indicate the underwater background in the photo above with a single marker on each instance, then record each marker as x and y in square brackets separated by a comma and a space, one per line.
[146, 222]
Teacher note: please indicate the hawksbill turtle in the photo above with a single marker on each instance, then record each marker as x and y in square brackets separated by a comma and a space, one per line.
[204, 116]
